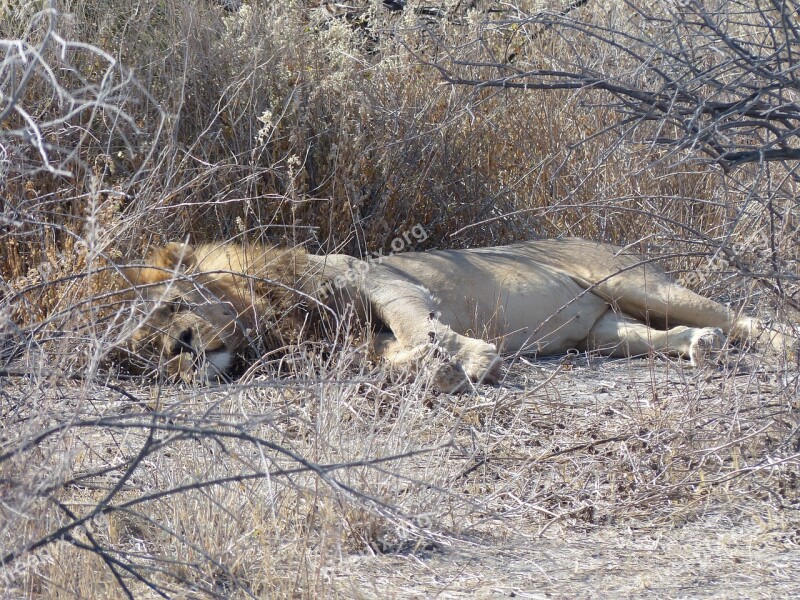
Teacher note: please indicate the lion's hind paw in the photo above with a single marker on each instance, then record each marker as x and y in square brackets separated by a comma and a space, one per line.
[706, 346]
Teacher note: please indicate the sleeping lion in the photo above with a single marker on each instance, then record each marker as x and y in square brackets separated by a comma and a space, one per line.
[206, 308]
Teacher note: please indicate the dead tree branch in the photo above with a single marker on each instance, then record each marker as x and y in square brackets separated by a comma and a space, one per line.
[721, 80]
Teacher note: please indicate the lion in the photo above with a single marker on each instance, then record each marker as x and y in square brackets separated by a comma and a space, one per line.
[205, 307]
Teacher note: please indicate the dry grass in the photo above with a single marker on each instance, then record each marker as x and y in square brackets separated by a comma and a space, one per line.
[637, 449]
[277, 123]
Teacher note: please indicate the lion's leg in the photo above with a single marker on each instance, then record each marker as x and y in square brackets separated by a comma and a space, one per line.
[617, 334]
[409, 311]
[655, 296]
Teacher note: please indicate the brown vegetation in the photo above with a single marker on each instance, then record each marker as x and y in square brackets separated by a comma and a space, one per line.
[128, 124]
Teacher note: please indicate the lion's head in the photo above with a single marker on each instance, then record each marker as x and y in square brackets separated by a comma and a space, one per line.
[199, 310]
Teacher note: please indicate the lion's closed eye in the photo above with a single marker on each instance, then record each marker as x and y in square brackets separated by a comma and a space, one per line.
[178, 304]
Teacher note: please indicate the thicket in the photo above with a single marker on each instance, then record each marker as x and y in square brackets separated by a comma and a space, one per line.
[127, 124]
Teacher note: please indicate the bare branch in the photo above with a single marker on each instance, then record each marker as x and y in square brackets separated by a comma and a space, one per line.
[724, 76]
[55, 91]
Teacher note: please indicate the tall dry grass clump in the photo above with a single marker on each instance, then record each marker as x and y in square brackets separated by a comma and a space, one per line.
[281, 122]
[127, 124]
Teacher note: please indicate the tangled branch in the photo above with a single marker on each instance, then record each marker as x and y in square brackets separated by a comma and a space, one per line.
[718, 79]
[58, 96]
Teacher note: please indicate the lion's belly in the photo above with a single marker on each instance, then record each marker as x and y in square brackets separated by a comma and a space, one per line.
[521, 305]
[546, 314]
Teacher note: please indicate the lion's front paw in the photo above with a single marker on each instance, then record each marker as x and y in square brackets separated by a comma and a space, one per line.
[706, 346]
[448, 373]
[480, 362]
[449, 377]
[454, 376]
[474, 360]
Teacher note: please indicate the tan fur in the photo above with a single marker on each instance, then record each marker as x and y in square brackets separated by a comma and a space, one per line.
[205, 304]
[213, 299]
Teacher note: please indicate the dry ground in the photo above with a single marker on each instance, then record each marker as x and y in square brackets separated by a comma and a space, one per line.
[601, 478]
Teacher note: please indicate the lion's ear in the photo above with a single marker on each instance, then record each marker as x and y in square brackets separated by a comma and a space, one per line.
[135, 276]
[174, 257]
